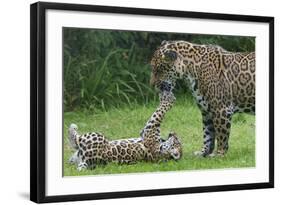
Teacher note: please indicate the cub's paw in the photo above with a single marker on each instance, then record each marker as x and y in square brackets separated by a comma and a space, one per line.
[73, 127]
[82, 166]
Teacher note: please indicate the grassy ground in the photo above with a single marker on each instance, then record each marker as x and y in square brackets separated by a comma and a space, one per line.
[184, 119]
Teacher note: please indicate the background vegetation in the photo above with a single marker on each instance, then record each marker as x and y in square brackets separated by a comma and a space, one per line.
[106, 89]
[104, 68]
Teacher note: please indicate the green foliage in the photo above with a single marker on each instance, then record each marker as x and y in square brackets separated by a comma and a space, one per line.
[184, 118]
[104, 69]
[230, 43]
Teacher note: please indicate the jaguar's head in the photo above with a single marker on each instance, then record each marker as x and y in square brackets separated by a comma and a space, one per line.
[164, 64]
[172, 147]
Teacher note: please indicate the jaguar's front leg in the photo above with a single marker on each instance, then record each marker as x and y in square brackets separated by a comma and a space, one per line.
[208, 136]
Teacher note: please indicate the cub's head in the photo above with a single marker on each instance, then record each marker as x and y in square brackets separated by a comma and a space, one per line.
[172, 147]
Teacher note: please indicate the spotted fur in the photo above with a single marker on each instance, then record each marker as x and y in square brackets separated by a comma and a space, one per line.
[94, 148]
[222, 82]
[151, 133]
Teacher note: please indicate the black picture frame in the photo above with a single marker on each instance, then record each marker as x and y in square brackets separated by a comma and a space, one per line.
[38, 103]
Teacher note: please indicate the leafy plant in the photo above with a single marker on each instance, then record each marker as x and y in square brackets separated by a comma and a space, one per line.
[104, 69]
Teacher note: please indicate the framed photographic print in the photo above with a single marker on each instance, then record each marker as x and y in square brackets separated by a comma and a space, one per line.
[129, 102]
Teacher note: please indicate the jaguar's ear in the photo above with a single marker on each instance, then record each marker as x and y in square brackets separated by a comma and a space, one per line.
[171, 134]
[170, 56]
[163, 42]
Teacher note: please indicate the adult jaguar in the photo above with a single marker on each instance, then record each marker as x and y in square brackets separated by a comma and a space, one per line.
[93, 148]
[222, 83]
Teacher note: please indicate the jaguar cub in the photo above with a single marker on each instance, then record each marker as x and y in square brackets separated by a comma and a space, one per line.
[94, 148]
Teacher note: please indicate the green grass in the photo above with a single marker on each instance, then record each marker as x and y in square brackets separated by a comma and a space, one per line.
[184, 118]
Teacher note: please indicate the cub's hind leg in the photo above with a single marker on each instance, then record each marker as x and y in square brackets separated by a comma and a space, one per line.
[86, 164]
[75, 158]
[82, 166]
